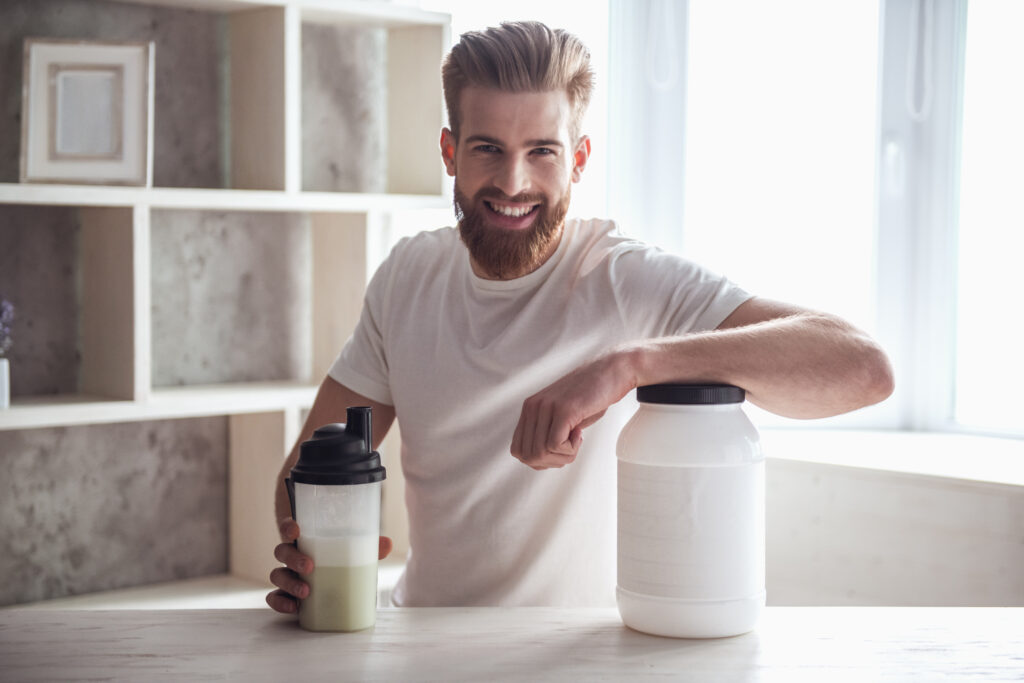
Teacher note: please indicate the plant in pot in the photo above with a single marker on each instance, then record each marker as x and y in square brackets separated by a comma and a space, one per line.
[6, 318]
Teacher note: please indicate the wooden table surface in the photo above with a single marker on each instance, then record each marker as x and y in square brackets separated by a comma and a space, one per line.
[820, 644]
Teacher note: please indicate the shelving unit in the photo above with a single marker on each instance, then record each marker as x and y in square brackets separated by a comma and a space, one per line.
[265, 175]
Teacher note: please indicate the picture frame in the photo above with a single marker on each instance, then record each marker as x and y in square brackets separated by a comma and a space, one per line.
[87, 112]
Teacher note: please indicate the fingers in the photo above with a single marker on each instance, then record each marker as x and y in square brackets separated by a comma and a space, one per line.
[545, 438]
[280, 601]
[289, 555]
[290, 586]
[537, 436]
[288, 528]
[291, 589]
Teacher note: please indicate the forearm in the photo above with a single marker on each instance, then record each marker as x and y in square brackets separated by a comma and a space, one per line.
[793, 362]
[807, 365]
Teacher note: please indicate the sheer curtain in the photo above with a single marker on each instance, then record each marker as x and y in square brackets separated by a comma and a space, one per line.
[743, 136]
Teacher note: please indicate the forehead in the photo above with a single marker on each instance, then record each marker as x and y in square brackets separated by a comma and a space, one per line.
[515, 116]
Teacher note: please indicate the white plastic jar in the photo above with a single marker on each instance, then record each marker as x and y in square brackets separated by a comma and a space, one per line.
[690, 514]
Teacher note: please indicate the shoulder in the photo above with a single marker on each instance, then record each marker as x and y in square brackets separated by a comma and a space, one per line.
[599, 243]
[426, 244]
[424, 251]
[414, 261]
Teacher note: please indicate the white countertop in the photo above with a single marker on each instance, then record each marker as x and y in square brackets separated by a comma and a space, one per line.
[816, 644]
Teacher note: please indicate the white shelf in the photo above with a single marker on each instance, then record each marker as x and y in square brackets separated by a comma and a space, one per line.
[213, 199]
[363, 12]
[163, 404]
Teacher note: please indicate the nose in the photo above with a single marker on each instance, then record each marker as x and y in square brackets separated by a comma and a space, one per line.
[512, 175]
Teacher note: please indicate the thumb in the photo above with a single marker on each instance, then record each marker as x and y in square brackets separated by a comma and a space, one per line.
[576, 438]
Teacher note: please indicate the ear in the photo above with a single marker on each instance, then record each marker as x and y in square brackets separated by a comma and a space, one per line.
[448, 151]
[580, 157]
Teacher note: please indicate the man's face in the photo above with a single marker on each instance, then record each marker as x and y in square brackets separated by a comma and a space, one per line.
[513, 165]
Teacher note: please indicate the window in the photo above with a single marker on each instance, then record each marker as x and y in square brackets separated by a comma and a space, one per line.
[863, 158]
[778, 190]
[990, 331]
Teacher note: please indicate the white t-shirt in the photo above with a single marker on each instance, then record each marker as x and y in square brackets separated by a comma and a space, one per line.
[457, 355]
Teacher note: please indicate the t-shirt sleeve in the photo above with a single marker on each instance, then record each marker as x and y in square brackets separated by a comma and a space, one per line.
[362, 365]
[670, 294]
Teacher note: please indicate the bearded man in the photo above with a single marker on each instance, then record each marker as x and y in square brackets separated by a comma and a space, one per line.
[504, 346]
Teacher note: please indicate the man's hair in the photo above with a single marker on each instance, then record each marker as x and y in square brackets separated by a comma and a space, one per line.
[521, 56]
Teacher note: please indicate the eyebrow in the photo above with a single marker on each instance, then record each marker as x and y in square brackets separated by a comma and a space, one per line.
[543, 142]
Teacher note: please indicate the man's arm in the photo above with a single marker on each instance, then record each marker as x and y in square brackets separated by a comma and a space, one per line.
[330, 405]
[791, 361]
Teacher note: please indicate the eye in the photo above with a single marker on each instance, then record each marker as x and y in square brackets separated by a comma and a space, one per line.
[487, 149]
[543, 151]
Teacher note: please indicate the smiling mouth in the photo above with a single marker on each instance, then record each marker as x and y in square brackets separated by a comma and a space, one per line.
[510, 211]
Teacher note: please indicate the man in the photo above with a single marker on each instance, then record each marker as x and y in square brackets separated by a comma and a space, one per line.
[519, 332]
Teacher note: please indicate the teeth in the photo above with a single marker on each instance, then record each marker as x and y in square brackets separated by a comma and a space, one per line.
[511, 210]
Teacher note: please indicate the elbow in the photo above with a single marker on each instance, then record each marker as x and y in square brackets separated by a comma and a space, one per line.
[869, 377]
[876, 380]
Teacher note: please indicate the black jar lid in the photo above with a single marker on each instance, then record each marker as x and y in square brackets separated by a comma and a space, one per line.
[690, 394]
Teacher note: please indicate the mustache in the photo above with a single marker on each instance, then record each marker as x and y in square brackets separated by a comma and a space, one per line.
[494, 194]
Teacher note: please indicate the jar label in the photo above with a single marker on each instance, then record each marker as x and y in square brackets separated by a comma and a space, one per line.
[694, 533]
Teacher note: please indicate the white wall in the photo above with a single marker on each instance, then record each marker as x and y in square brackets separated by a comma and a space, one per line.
[840, 535]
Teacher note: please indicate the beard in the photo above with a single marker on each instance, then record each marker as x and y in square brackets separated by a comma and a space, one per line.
[505, 254]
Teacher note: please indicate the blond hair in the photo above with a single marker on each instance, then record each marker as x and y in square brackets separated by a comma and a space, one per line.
[521, 56]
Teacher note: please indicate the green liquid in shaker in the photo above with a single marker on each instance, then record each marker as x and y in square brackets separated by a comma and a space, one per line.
[340, 599]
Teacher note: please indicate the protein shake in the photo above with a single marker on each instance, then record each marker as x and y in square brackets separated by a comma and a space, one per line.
[335, 492]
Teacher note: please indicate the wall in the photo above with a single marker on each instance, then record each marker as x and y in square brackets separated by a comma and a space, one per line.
[856, 536]
[232, 297]
[92, 508]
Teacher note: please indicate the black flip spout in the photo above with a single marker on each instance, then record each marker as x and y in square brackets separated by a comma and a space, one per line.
[359, 424]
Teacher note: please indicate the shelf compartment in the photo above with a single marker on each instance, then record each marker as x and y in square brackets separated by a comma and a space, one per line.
[187, 135]
[250, 297]
[99, 507]
[230, 297]
[372, 106]
[71, 274]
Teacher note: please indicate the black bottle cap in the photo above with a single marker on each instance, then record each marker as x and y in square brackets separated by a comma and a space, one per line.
[690, 394]
[340, 454]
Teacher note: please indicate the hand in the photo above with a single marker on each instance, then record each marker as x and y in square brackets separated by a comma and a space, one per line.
[290, 587]
[550, 428]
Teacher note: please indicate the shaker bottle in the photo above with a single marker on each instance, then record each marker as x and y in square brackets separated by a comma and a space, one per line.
[691, 537]
[335, 495]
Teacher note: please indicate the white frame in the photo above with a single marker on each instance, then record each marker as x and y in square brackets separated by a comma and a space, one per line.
[121, 155]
